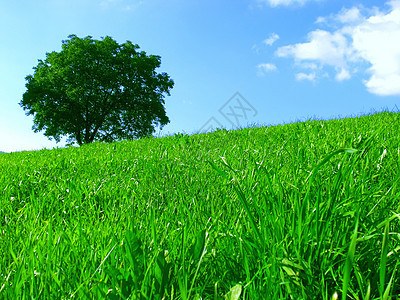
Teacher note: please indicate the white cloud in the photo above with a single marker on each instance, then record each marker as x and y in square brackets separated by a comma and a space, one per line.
[349, 15]
[394, 3]
[264, 68]
[258, 48]
[271, 39]
[355, 40]
[343, 74]
[275, 3]
[311, 66]
[377, 42]
[304, 76]
[121, 4]
[323, 46]
[345, 16]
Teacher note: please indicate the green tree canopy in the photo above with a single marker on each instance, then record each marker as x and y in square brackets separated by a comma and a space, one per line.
[97, 90]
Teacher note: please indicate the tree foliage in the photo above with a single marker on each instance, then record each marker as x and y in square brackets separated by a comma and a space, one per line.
[97, 90]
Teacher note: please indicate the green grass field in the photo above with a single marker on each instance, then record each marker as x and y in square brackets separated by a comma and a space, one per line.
[308, 210]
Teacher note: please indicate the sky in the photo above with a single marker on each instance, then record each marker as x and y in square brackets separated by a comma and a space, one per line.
[234, 63]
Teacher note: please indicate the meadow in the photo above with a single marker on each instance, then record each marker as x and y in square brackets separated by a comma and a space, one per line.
[308, 210]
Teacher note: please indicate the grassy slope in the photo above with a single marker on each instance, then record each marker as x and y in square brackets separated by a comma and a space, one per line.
[273, 212]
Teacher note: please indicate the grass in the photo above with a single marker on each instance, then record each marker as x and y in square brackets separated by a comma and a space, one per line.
[308, 210]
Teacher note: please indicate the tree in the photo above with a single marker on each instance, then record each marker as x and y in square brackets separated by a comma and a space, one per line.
[97, 90]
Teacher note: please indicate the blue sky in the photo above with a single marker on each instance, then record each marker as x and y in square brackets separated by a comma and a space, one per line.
[234, 63]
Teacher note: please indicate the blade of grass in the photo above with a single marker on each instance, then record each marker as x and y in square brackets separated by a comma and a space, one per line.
[350, 261]
[382, 265]
[389, 287]
[243, 201]
[102, 262]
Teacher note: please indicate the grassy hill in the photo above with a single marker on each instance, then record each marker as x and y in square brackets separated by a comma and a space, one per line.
[308, 210]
